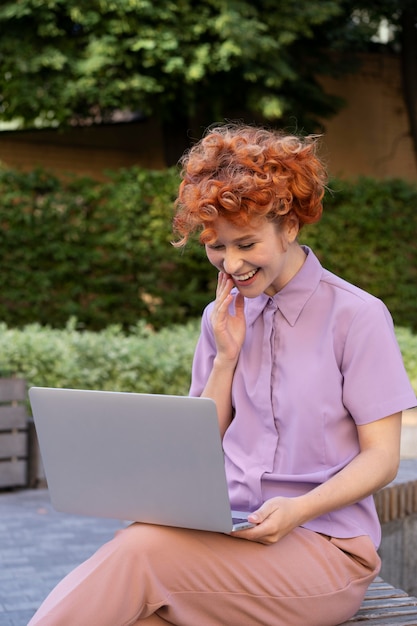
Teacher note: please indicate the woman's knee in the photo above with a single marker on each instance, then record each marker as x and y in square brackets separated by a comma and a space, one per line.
[142, 538]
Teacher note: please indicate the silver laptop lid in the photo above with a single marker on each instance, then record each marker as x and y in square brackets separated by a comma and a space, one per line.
[139, 457]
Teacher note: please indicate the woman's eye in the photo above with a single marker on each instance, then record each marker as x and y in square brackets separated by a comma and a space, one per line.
[246, 246]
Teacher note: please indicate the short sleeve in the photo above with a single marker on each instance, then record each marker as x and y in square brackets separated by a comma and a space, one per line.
[375, 382]
[204, 355]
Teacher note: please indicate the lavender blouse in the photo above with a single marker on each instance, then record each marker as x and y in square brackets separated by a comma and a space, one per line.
[319, 358]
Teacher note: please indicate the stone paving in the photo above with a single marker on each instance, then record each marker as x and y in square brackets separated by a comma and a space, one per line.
[38, 545]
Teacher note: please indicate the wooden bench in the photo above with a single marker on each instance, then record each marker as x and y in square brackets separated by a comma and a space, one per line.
[13, 433]
[385, 605]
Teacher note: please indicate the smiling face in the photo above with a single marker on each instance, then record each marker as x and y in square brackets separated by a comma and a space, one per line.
[260, 257]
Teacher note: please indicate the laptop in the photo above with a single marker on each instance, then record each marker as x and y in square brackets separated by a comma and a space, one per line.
[135, 457]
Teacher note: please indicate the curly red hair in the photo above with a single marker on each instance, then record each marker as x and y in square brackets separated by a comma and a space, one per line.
[244, 173]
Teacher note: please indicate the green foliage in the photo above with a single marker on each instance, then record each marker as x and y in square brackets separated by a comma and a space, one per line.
[102, 253]
[171, 285]
[143, 361]
[189, 62]
[60, 62]
[368, 236]
[408, 346]
[99, 252]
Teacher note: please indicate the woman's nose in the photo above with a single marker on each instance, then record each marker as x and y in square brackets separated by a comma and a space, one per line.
[231, 262]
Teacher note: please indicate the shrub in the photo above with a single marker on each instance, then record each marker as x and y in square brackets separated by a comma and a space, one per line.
[101, 252]
[143, 361]
[408, 346]
[168, 285]
[367, 235]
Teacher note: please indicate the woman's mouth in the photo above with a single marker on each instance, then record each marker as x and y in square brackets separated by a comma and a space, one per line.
[244, 278]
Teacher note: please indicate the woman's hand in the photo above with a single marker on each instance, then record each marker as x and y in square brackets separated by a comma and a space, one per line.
[229, 330]
[229, 333]
[273, 520]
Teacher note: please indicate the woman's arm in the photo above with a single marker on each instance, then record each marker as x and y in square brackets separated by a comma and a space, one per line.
[229, 333]
[218, 388]
[375, 466]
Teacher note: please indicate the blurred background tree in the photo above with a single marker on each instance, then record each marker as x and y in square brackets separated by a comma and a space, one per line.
[377, 26]
[189, 62]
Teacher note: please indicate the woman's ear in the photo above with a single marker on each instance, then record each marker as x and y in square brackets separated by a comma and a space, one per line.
[292, 226]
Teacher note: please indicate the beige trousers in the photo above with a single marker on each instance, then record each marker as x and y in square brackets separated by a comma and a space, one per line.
[153, 576]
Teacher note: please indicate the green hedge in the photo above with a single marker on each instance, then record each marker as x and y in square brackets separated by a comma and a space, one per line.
[141, 361]
[101, 252]
[368, 235]
[408, 346]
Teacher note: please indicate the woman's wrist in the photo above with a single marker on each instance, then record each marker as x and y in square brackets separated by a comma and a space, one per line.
[224, 364]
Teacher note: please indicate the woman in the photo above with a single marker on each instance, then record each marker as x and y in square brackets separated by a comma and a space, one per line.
[309, 386]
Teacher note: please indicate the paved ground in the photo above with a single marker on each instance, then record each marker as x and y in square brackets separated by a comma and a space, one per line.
[38, 546]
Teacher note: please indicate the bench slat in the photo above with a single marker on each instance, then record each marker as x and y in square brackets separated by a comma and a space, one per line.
[13, 445]
[13, 417]
[12, 389]
[386, 606]
[13, 473]
[384, 621]
[378, 620]
[385, 592]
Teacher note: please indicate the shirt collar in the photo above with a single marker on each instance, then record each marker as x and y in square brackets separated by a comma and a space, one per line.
[292, 298]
